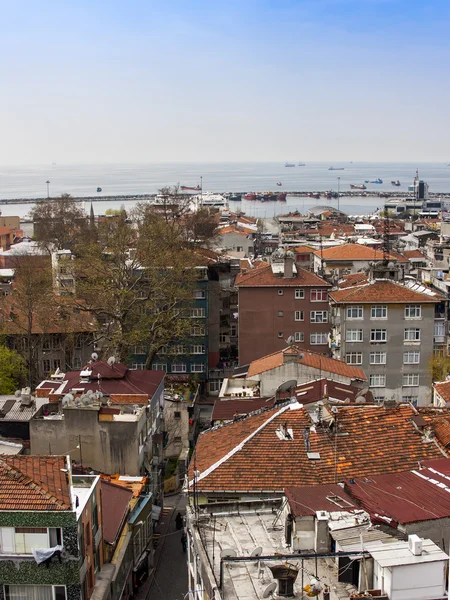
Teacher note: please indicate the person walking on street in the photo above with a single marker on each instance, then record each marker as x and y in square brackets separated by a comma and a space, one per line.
[183, 541]
[178, 521]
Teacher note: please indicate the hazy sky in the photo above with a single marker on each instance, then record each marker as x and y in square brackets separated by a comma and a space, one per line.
[92, 81]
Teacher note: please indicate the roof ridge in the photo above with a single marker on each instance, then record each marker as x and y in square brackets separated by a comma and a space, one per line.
[254, 271]
[217, 464]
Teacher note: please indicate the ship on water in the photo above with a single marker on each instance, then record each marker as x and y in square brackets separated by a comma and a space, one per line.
[300, 164]
[357, 187]
[377, 181]
[336, 168]
[289, 164]
[186, 188]
[396, 183]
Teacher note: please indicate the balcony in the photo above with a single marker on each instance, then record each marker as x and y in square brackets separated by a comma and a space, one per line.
[439, 339]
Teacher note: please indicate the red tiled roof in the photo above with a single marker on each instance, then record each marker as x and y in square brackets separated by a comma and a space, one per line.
[310, 359]
[303, 250]
[5, 230]
[414, 254]
[350, 252]
[443, 389]
[248, 455]
[305, 501]
[115, 506]
[316, 390]
[405, 497]
[352, 279]
[386, 291]
[33, 483]
[265, 277]
[117, 379]
[225, 409]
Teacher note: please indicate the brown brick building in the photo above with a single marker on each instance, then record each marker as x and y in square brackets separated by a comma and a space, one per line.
[277, 301]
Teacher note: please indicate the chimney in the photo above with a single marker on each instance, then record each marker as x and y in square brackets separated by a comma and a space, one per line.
[286, 576]
[290, 355]
[288, 271]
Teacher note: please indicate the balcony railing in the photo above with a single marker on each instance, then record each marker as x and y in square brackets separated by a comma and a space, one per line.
[83, 569]
[98, 536]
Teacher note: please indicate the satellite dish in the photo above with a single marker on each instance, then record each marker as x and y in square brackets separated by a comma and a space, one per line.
[269, 590]
[94, 356]
[111, 360]
[290, 340]
[227, 552]
[257, 551]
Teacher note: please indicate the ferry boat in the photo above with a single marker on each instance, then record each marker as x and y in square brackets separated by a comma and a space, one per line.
[235, 197]
[250, 196]
[186, 188]
[211, 199]
[282, 196]
[289, 164]
[336, 168]
[300, 164]
[279, 183]
[358, 187]
[396, 183]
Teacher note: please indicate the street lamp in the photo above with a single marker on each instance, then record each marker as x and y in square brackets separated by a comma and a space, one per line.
[48, 188]
[339, 184]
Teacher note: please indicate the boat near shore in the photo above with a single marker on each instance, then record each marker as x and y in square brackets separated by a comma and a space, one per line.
[336, 168]
[357, 187]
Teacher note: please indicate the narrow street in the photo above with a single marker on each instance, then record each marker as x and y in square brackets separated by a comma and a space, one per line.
[169, 581]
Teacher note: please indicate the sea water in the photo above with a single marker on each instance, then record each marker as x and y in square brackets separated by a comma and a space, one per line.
[128, 179]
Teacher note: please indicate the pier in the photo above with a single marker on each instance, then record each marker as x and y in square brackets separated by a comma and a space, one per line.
[149, 197]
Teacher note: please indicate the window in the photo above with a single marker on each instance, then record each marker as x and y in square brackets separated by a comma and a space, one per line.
[413, 311]
[87, 534]
[410, 379]
[378, 312]
[411, 358]
[280, 292]
[56, 364]
[319, 296]
[198, 349]
[299, 336]
[177, 439]
[35, 592]
[319, 316]
[299, 316]
[180, 349]
[280, 313]
[317, 339]
[412, 335]
[377, 358]
[137, 366]
[77, 342]
[299, 294]
[197, 313]
[46, 365]
[354, 335]
[159, 366]
[140, 350]
[439, 329]
[198, 331]
[20, 540]
[411, 399]
[200, 294]
[378, 335]
[202, 273]
[215, 385]
[354, 312]
[177, 414]
[377, 380]
[197, 368]
[378, 398]
[353, 358]
[178, 368]
[164, 350]
[280, 334]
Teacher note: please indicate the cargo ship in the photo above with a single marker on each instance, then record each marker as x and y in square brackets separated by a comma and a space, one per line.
[186, 188]
[336, 168]
[289, 164]
[358, 187]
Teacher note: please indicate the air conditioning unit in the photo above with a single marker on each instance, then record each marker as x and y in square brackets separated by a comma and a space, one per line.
[415, 544]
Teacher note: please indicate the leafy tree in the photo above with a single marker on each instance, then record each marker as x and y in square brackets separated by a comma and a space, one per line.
[439, 367]
[59, 223]
[12, 370]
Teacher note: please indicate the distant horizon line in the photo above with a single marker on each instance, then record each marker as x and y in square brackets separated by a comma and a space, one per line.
[330, 162]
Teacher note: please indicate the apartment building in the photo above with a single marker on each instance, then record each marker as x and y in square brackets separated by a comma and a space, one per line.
[278, 302]
[391, 330]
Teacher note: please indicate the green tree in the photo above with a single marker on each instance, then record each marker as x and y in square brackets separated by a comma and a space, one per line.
[59, 223]
[439, 367]
[12, 370]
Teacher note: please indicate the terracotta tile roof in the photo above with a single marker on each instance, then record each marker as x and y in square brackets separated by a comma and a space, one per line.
[129, 398]
[115, 505]
[263, 276]
[33, 483]
[443, 389]
[236, 230]
[310, 359]
[249, 456]
[414, 254]
[407, 497]
[386, 291]
[442, 431]
[352, 279]
[316, 390]
[305, 501]
[303, 250]
[348, 252]
[225, 409]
